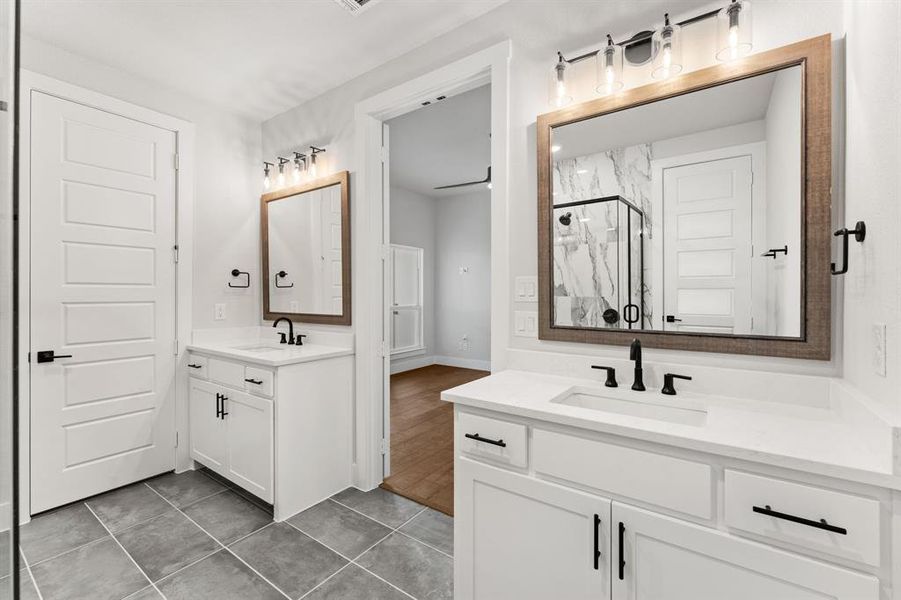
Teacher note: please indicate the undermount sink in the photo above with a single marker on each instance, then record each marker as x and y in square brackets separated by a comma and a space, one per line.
[658, 410]
[260, 348]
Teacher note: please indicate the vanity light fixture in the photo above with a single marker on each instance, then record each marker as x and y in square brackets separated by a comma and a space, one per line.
[300, 164]
[281, 171]
[667, 50]
[662, 48]
[559, 95]
[267, 182]
[610, 68]
[733, 31]
[313, 152]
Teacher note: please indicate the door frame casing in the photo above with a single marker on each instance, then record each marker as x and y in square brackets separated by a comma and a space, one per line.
[372, 226]
[184, 238]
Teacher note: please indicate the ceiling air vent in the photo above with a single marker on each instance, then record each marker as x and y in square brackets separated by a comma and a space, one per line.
[356, 6]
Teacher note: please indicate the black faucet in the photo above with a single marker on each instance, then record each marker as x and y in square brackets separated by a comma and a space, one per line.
[635, 354]
[290, 339]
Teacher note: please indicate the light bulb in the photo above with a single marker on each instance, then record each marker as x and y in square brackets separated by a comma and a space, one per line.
[733, 42]
[555, 148]
[267, 183]
[490, 186]
[281, 176]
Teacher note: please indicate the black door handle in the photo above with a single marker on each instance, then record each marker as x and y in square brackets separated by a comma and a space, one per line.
[45, 356]
[223, 413]
[597, 542]
[821, 524]
[478, 438]
[622, 558]
[218, 409]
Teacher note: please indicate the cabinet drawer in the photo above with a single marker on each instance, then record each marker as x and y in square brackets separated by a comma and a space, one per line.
[858, 517]
[258, 381]
[673, 483]
[197, 366]
[492, 439]
[227, 373]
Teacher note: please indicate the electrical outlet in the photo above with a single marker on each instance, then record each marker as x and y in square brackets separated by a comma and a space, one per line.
[464, 344]
[219, 312]
[879, 348]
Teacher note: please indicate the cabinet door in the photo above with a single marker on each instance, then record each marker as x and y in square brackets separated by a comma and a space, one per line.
[207, 429]
[520, 538]
[665, 558]
[249, 440]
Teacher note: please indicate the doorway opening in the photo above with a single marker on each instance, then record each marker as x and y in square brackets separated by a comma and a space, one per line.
[439, 284]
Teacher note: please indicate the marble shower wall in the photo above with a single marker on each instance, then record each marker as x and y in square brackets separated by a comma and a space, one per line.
[587, 277]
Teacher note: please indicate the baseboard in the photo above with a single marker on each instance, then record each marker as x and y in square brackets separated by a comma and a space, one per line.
[463, 363]
[400, 365]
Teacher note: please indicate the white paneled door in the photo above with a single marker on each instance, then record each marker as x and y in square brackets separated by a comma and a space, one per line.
[707, 246]
[102, 299]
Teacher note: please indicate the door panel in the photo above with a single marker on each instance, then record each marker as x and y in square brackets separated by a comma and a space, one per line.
[669, 559]
[208, 441]
[249, 441]
[707, 241]
[530, 539]
[103, 290]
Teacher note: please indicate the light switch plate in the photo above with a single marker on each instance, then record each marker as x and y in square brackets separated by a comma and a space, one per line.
[525, 323]
[526, 288]
[879, 348]
[219, 312]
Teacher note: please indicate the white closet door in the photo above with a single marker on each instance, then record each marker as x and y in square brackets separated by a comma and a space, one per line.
[103, 291]
[707, 246]
[406, 304]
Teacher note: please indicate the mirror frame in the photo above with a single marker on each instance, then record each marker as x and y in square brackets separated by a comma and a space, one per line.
[814, 56]
[342, 179]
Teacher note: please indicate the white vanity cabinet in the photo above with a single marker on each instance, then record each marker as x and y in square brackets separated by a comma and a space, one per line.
[587, 515]
[281, 432]
[232, 434]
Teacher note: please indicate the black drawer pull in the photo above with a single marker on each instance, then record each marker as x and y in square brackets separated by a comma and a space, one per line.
[254, 381]
[218, 406]
[597, 542]
[821, 524]
[224, 412]
[193, 366]
[622, 557]
[478, 438]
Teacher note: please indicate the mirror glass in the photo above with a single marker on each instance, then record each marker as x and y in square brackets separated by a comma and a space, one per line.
[305, 270]
[683, 214]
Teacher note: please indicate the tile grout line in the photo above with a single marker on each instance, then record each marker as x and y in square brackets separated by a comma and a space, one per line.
[224, 547]
[324, 581]
[354, 560]
[130, 557]
[55, 556]
[34, 581]
[426, 544]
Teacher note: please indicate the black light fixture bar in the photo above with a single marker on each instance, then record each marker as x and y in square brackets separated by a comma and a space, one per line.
[638, 38]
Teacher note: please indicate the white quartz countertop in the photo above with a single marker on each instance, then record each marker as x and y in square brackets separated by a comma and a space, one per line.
[269, 354]
[829, 438]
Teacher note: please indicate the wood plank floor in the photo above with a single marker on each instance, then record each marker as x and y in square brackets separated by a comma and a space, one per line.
[422, 435]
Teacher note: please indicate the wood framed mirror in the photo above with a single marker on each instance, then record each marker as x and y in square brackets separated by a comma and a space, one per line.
[694, 213]
[306, 251]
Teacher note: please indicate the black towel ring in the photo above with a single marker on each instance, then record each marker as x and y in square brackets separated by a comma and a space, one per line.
[237, 273]
[282, 275]
[860, 234]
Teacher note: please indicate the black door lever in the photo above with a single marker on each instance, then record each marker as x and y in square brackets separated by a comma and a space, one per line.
[45, 356]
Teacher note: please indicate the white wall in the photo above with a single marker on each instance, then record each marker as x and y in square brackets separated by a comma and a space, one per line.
[872, 286]
[538, 29]
[413, 224]
[783, 203]
[463, 286]
[227, 180]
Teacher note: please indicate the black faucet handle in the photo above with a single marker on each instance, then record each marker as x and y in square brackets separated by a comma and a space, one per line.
[668, 378]
[611, 375]
[300, 337]
[284, 339]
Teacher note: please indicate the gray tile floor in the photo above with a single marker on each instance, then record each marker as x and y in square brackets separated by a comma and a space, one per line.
[192, 536]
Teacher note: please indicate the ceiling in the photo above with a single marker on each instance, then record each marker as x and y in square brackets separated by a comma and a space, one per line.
[255, 57]
[721, 106]
[444, 143]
